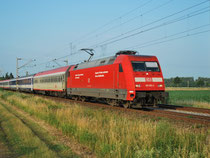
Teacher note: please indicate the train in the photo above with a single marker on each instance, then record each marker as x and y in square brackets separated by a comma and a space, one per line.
[125, 79]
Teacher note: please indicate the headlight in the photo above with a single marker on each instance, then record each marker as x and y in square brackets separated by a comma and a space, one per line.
[138, 85]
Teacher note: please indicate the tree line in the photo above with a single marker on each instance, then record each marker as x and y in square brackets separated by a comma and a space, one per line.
[7, 76]
[187, 82]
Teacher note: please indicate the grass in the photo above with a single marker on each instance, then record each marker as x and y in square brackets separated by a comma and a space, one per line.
[27, 139]
[111, 134]
[187, 88]
[22, 140]
[199, 98]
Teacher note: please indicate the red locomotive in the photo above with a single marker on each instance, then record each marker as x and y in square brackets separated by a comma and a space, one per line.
[124, 79]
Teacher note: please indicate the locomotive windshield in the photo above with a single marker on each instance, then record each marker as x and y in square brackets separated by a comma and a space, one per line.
[145, 66]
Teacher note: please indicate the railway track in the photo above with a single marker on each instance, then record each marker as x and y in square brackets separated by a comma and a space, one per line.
[183, 108]
[174, 112]
[194, 117]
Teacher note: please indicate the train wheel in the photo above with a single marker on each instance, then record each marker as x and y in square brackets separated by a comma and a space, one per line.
[112, 102]
[83, 99]
[75, 98]
[126, 105]
[155, 103]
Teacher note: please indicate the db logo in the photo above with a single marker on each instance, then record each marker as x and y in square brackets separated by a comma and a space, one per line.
[148, 79]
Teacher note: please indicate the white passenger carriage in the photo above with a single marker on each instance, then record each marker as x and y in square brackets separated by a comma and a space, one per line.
[52, 82]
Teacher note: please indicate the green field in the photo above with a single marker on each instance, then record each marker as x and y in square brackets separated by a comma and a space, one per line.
[106, 133]
[198, 98]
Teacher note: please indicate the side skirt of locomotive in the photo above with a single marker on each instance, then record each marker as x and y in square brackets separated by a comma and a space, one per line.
[98, 93]
[112, 97]
[117, 97]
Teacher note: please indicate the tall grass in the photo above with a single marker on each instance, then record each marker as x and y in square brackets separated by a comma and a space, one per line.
[112, 134]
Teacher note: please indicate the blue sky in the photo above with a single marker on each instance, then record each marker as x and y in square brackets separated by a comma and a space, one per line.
[44, 29]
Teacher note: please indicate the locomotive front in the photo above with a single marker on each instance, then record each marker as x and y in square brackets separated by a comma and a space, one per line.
[145, 83]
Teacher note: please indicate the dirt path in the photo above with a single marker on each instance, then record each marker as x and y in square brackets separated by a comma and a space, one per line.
[76, 148]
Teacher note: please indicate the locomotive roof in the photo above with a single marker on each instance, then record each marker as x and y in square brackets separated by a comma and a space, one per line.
[95, 63]
[107, 60]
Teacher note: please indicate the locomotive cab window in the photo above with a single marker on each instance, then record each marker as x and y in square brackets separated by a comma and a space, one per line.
[138, 66]
[152, 66]
[145, 66]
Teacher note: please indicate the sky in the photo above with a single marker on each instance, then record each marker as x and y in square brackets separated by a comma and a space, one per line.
[52, 32]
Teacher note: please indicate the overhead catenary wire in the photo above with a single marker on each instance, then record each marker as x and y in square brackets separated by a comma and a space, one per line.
[127, 21]
[148, 24]
[52, 61]
[184, 36]
[172, 39]
[169, 36]
[151, 28]
[111, 21]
